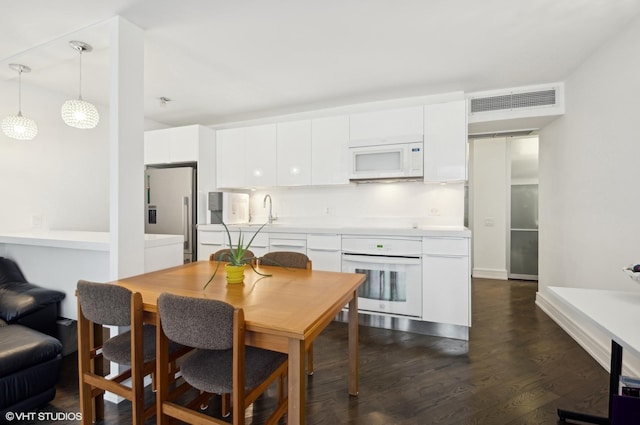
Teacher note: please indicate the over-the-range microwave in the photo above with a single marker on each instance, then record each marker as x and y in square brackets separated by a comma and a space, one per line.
[386, 161]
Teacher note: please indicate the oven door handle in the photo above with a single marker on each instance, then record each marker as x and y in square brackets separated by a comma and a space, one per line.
[355, 258]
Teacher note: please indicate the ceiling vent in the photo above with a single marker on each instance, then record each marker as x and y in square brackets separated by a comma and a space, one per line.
[540, 102]
[533, 99]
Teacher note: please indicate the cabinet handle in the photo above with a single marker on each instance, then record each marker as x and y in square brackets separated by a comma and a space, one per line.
[447, 256]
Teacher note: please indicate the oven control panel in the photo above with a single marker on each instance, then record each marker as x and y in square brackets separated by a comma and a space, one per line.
[382, 246]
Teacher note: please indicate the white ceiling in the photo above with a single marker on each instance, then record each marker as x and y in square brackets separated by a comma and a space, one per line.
[223, 60]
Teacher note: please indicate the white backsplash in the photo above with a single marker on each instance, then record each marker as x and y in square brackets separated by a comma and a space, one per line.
[401, 205]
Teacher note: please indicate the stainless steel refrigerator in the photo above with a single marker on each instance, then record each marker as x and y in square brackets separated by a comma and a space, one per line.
[170, 205]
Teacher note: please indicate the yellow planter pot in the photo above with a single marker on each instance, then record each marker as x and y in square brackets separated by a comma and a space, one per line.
[235, 274]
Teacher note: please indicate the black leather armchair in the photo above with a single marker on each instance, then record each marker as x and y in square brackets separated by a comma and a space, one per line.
[30, 356]
[24, 303]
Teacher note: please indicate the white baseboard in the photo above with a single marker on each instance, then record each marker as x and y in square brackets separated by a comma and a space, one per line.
[588, 336]
[500, 274]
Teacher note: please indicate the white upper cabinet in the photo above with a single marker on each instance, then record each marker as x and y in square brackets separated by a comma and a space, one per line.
[171, 145]
[445, 142]
[294, 153]
[230, 158]
[246, 157]
[329, 159]
[260, 145]
[387, 126]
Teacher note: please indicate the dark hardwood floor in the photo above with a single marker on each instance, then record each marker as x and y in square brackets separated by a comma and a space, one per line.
[517, 368]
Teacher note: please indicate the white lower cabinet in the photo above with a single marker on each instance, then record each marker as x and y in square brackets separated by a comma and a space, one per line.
[324, 251]
[209, 242]
[292, 242]
[446, 290]
[212, 241]
[259, 245]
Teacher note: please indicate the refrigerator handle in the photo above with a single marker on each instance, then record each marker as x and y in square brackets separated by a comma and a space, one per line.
[186, 223]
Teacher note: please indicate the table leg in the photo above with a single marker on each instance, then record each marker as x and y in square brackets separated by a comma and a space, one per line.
[296, 383]
[162, 379]
[98, 401]
[353, 345]
[614, 378]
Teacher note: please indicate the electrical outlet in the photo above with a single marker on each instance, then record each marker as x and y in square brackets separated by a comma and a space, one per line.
[434, 211]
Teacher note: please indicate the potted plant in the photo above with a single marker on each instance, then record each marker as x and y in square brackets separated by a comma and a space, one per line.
[235, 258]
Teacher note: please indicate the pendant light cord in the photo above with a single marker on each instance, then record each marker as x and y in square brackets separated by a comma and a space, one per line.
[80, 79]
[20, 92]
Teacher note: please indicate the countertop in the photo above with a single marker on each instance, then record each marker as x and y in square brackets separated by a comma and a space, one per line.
[434, 231]
[92, 241]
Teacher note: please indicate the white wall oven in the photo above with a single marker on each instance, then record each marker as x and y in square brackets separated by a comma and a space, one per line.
[393, 269]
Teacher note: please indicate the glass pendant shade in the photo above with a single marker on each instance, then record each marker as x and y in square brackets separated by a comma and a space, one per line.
[16, 126]
[80, 114]
[19, 127]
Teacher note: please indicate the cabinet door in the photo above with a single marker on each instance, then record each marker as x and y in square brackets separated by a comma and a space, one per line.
[324, 251]
[445, 142]
[230, 158]
[294, 153]
[391, 125]
[260, 143]
[329, 156]
[208, 243]
[171, 145]
[289, 244]
[330, 261]
[446, 290]
[183, 146]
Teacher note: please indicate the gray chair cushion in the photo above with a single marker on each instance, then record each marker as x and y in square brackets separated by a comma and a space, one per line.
[118, 348]
[211, 371]
[105, 304]
[196, 322]
[294, 260]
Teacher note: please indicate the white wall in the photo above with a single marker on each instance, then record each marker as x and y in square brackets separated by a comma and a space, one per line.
[489, 219]
[62, 175]
[589, 169]
[589, 209]
[375, 204]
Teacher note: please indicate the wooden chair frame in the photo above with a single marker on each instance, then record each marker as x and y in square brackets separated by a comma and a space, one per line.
[92, 383]
[239, 398]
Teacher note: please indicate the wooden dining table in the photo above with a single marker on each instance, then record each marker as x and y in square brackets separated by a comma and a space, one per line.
[284, 312]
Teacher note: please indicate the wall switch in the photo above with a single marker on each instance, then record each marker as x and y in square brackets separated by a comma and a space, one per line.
[489, 222]
[36, 221]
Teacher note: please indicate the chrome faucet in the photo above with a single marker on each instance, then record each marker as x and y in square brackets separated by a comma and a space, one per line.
[264, 205]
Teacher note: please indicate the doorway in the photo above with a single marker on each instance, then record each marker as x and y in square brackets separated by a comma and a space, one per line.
[501, 205]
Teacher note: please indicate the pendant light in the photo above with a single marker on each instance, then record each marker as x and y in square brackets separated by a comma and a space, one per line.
[16, 126]
[79, 113]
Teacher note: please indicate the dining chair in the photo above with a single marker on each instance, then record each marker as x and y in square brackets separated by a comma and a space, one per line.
[220, 363]
[294, 260]
[223, 255]
[103, 304]
[287, 259]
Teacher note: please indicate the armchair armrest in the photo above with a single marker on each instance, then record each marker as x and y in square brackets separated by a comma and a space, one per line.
[18, 299]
